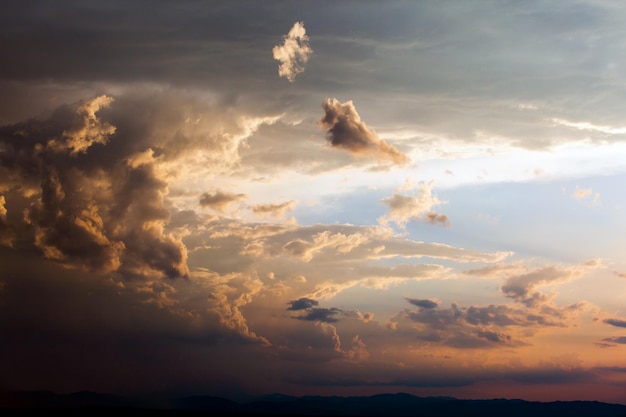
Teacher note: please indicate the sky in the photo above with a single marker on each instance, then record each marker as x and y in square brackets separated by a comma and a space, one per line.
[314, 198]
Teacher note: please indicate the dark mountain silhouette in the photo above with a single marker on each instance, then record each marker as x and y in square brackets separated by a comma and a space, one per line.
[394, 405]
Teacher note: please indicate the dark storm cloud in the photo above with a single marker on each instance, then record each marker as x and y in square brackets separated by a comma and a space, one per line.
[616, 322]
[85, 204]
[347, 131]
[425, 303]
[302, 304]
[71, 330]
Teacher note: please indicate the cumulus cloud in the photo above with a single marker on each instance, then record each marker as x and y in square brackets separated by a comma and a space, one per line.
[293, 53]
[403, 208]
[219, 200]
[346, 130]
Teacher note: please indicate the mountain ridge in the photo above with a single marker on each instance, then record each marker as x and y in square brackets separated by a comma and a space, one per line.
[396, 405]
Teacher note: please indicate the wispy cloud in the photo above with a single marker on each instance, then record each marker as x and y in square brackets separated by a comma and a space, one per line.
[612, 130]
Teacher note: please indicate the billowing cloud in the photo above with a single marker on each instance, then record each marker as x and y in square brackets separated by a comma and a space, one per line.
[347, 131]
[294, 52]
[82, 206]
[219, 200]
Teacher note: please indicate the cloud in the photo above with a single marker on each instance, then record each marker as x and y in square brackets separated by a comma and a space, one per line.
[521, 287]
[324, 315]
[615, 322]
[458, 327]
[422, 303]
[496, 270]
[219, 200]
[358, 351]
[82, 206]
[302, 304]
[347, 131]
[584, 193]
[621, 340]
[294, 52]
[581, 193]
[88, 130]
[403, 208]
[274, 210]
[475, 327]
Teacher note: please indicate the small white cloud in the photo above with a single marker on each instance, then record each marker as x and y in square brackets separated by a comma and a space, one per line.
[584, 193]
[293, 53]
[581, 193]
